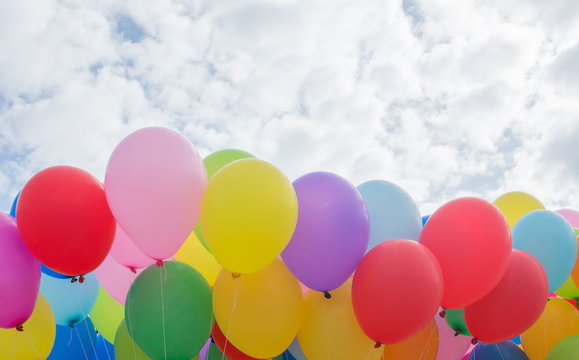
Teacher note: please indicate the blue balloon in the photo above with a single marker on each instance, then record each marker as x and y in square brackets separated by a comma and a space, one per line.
[551, 240]
[105, 350]
[505, 350]
[13, 209]
[54, 274]
[70, 302]
[425, 219]
[74, 343]
[392, 212]
[516, 340]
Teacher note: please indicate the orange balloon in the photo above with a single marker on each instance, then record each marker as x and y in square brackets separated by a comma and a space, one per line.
[422, 345]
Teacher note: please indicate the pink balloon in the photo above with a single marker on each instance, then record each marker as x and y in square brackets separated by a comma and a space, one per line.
[115, 279]
[19, 276]
[571, 216]
[126, 253]
[154, 183]
[450, 347]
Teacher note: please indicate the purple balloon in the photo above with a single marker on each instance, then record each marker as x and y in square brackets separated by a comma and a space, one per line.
[332, 232]
[19, 276]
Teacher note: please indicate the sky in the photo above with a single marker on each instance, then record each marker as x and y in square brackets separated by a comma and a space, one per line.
[445, 98]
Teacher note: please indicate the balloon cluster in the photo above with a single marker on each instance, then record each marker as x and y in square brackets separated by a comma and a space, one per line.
[179, 257]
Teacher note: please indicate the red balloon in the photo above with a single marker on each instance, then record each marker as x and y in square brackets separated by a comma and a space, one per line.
[64, 220]
[396, 290]
[471, 240]
[513, 305]
[231, 351]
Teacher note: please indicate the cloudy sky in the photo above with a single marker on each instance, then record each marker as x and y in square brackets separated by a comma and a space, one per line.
[445, 98]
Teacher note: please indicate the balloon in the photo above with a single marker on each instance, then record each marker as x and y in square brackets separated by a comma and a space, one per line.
[559, 320]
[125, 347]
[471, 240]
[248, 214]
[516, 340]
[106, 315]
[503, 350]
[422, 345]
[214, 353]
[168, 311]
[194, 254]
[396, 266]
[70, 302]
[262, 310]
[568, 290]
[450, 346]
[571, 216]
[455, 319]
[548, 237]
[501, 314]
[115, 279]
[222, 343]
[126, 252]
[329, 329]
[36, 339]
[74, 343]
[54, 274]
[19, 276]
[104, 349]
[425, 219]
[566, 349]
[392, 212]
[13, 208]
[296, 351]
[154, 183]
[332, 232]
[515, 204]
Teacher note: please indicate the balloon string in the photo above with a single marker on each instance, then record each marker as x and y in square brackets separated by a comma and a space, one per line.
[80, 341]
[369, 352]
[131, 323]
[427, 345]
[546, 339]
[231, 316]
[163, 312]
[15, 340]
[327, 329]
[106, 348]
[500, 352]
[70, 340]
[34, 347]
[84, 316]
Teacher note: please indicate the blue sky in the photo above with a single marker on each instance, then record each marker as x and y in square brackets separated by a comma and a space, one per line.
[445, 98]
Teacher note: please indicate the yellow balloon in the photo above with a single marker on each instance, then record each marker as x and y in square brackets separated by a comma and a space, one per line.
[36, 340]
[330, 330]
[106, 315]
[248, 214]
[194, 254]
[261, 311]
[515, 204]
[422, 345]
[559, 320]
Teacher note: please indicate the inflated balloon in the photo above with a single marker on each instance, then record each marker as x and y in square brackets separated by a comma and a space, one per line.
[393, 214]
[248, 214]
[568, 290]
[13, 208]
[559, 320]
[329, 329]
[154, 183]
[425, 219]
[396, 266]
[515, 204]
[422, 345]
[115, 279]
[332, 232]
[125, 347]
[35, 340]
[74, 343]
[106, 315]
[104, 349]
[223, 344]
[450, 346]
[566, 349]
[70, 302]
[455, 319]
[262, 310]
[195, 255]
[471, 240]
[168, 311]
[19, 276]
[65, 221]
[126, 252]
[550, 239]
[502, 314]
[54, 274]
[504, 350]
[571, 216]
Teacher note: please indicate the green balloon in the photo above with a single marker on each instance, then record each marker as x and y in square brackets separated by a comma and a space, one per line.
[455, 320]
[213, 353]
[125, 347]
[566, 349]
[213, 163]
[170, 311]
[106, 315]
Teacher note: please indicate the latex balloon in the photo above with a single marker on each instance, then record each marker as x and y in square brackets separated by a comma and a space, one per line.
[224, 345]
[571, 216]
[36, 339]
[168, 311]
[195, 255]
[125, 347]
[396, 266]
[65, 221]
[262, 310]
[329, 329]
[566, 349]
[568, 290]
[19, 276]
[422, 345]
[13, 207]
[393, 214]
[115, 278]
[504, 350]
[559, 320]
[501, 314]
[248, 214]
[70, 302]
[74, 343]
[516, 204]
[450, 346]
[455, 319]
[425, 219]
[154, 183]
[332, 231]
[106, 315]
[127, 253]
[471, 240]
[550, 239]
[105, 350]
[54, 274]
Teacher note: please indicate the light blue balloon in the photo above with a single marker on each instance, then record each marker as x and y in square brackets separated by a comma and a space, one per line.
[551, 240]
[70, 302]
[296, 351]
[393, 214]
[75, 343]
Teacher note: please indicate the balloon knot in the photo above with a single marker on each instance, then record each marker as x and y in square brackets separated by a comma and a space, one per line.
[133, 270]
[442, 313]
[159, 263]
[474, 341]
[235, 275]
[71, 325]
[20, 328]
[81, 279]
[327, 295]
[73, 279]
[457, 332]
[377, 345]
